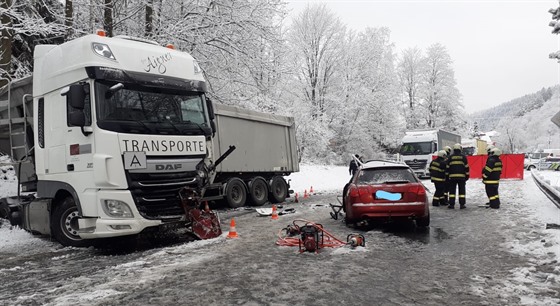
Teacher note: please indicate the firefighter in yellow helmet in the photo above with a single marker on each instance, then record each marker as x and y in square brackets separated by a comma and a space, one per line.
[458, 169]
[491, 177]
[447, 150]
[438, 168]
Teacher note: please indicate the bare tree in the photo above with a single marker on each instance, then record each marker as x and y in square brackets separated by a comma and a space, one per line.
[149, 18]
[69, 18]
[108, 17]
[6, 42]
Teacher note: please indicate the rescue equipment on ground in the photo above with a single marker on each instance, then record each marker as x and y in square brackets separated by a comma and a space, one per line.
[356, 240]
[308, 236]
[204, 224]
[336, 208]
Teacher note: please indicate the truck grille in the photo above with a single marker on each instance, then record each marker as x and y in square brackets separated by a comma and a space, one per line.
[157, 194]
[417, 164]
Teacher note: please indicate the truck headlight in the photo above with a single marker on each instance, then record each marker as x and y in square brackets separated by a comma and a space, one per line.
[117, 209]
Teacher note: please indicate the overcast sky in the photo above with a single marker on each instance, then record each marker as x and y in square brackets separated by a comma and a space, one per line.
[499, 48]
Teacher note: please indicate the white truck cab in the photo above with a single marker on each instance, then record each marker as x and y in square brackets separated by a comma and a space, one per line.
[119, 125]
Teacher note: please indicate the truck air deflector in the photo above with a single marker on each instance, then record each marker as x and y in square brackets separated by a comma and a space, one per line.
[145, 79]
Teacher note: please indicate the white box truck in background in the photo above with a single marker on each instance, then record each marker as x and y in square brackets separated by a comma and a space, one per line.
[108, 130]
[419, 146]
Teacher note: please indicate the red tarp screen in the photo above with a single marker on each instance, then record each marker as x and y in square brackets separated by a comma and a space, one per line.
[512, 166]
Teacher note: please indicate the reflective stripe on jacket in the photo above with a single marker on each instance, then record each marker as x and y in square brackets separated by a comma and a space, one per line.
[438, 169]
[492, 171]
[458, 167]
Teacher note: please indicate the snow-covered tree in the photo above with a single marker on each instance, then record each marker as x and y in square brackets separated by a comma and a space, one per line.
[23, 25]
[409, 70]
[441, 104]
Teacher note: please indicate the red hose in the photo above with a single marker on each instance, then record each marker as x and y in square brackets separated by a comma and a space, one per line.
[329, 240]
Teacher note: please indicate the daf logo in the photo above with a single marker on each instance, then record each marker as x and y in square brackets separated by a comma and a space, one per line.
[168, 167]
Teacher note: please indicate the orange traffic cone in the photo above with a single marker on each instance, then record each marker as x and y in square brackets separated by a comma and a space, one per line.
[311, 190]
[232, 232]
[305, 195]
[274, 213]
[206, 208]
[296, 199]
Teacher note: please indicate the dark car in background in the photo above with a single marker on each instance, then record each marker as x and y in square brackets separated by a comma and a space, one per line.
[386, 191]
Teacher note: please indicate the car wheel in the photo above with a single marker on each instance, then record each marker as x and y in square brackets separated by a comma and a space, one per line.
[236, 194]
[531, 167]
[423, 222]
[64, 224]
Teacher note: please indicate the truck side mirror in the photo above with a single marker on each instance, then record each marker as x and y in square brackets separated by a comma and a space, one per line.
[210, 108]
[77, 118]
[75, 96]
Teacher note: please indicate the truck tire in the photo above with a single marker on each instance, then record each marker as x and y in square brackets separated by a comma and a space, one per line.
[278, 190]
[236, 193]
[4, 209]
[258, 191]
[64, 224]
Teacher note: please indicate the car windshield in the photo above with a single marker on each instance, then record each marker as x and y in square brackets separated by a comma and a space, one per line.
[386, 176]
[416, 148]
[125, 107]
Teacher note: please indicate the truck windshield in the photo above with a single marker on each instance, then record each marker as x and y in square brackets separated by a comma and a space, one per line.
[416, 148]
[138, 109]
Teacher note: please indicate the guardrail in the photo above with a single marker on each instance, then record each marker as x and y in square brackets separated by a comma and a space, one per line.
[552, 192]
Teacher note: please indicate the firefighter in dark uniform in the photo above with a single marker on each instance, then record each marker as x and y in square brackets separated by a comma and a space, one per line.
[491, 177]
[353, 167]
[446, 187]
[438, 169]
[458, 169]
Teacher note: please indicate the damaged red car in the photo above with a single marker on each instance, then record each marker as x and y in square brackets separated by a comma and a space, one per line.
[385, 191]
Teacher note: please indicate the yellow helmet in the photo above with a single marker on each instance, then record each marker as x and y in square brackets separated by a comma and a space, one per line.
[458, 146]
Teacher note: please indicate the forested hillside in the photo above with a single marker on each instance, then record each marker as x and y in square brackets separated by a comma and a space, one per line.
[524, 123]
[349, 91]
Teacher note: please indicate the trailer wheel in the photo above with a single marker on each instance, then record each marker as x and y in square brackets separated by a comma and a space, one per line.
[236, 194]
[278, 190]
[64, 224]
[4, 209]
[258, 191]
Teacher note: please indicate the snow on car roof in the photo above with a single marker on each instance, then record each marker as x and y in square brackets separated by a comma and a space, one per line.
[383, 164]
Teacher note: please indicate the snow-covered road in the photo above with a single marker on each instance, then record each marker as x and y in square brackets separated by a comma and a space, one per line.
[475, 256]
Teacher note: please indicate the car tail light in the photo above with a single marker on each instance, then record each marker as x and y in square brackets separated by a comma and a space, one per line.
[360, 194]
[419, 190]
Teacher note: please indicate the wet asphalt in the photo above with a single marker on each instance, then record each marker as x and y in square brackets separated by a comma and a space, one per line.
[464, 258]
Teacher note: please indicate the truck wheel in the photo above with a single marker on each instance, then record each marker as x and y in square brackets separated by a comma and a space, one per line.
[236, 194]
[4, 210]
[64, 224]
[258, 191]
[278, 190]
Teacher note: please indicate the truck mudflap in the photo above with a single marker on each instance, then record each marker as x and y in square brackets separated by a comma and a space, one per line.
[204, 224]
